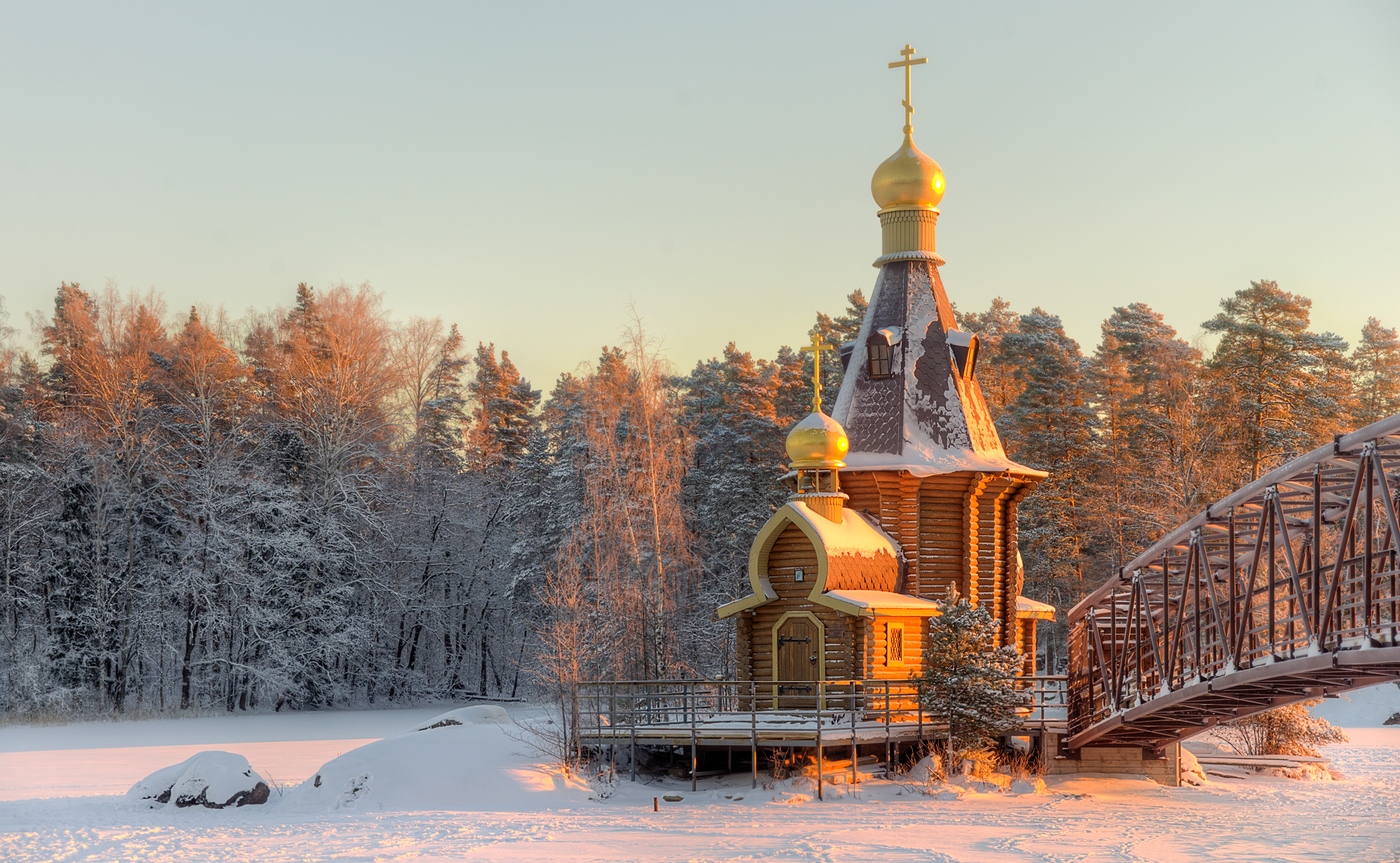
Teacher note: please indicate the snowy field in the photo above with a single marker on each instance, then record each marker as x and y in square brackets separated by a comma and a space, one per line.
[473, 793]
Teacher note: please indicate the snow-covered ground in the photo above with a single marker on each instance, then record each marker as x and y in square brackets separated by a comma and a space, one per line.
[471, 792]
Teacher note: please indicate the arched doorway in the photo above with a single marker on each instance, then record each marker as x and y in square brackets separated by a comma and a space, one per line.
[799, 660]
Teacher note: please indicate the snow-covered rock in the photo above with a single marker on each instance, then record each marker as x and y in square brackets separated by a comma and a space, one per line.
[1189, 769]
[1027, 785]
[925, 771]
[477, 714]
[474, 759]
[212, 779]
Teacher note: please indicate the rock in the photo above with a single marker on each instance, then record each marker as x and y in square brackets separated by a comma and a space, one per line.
[927, 770]
[477, 714]
[211, 779]
[1393, 720]
[1189, 769]
[673, 798]
[1029, 785]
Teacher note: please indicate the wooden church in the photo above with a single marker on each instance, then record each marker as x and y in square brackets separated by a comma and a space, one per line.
[904, 494]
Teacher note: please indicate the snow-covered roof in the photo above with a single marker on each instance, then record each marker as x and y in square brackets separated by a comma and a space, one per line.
[854, 535]
[853, 555]
[886, 602]
[1033, 610]
[926, 418]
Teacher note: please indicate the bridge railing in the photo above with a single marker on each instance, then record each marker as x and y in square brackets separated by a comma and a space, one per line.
[1302, 561]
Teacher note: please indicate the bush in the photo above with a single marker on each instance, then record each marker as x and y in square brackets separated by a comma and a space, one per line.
[1289, 730]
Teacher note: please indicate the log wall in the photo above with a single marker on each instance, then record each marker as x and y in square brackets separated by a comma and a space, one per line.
[792, 550]
[957, 531]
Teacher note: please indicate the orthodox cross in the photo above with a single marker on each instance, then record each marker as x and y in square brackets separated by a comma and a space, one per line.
[908, 63]
[815, 349]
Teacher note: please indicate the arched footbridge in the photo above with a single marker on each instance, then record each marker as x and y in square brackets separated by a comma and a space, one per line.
[1285, 590]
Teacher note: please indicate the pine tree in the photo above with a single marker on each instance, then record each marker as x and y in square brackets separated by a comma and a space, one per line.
[441, 417]
[1158, 465]
[1052, 425]
[968, 682]
[996, 372]
[1276, 385]
[502, 416]
[1377, 361]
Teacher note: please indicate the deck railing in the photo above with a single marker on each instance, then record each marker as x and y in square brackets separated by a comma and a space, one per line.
[766, 713]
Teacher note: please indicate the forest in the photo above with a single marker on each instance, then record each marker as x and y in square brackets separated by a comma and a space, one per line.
[320, 505]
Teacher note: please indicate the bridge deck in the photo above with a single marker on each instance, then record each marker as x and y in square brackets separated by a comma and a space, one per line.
[1288, 589]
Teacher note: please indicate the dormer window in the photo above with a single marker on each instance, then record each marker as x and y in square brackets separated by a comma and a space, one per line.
[879, 350]
[879, 359]
[964, 349]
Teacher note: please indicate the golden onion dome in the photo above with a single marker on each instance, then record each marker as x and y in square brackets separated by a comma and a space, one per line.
[817, 442]
[908, 179]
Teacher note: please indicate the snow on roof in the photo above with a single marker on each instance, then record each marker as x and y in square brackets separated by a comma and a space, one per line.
[929, 461]
[1029, 608]
[927, 419]
[854, 535]
[880, 601]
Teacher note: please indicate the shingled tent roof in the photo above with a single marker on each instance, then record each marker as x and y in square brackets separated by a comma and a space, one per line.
[928, 417]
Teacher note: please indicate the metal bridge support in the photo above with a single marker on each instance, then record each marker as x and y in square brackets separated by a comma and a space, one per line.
[1286, 590]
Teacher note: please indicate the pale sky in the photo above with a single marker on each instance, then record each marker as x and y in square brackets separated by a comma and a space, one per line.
[527, 170]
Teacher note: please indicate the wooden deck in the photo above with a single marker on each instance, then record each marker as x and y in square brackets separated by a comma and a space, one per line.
[705, 714]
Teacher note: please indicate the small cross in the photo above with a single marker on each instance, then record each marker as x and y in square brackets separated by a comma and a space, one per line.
[909, 62]
[815, 349]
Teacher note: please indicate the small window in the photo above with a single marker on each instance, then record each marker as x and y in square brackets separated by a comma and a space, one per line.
[964, 347]
[894, 644]
[798, 575]
[879, 358]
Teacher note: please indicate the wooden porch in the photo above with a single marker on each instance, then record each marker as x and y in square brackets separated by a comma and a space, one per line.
[880, 718]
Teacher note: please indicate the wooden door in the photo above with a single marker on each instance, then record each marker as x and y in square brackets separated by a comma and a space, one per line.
[798, 661]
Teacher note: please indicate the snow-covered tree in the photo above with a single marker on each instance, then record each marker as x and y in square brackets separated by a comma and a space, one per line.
[968, 682]
[996, 373]
[1377, 362]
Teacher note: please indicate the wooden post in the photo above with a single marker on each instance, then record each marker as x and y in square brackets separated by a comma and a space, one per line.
[694, 751]
[753, 731]
[819, 746]
[855, 779]
[889, 757]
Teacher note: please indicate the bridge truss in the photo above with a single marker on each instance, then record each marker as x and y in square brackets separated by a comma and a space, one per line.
[1286, 590]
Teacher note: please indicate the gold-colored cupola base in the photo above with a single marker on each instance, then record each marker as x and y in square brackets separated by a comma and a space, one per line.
[908, 234]
[827, 504]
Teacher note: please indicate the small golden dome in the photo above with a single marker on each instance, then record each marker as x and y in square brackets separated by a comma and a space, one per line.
[817, 442]
[908, 179]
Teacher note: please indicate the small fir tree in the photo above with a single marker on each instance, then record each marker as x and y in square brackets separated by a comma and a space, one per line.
[968, 681]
